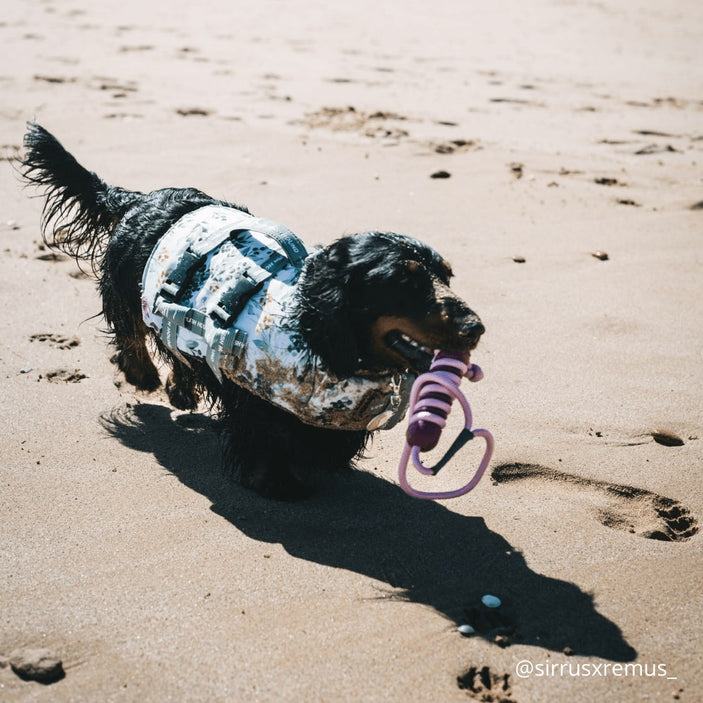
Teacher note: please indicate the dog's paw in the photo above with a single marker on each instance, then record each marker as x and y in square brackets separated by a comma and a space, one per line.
[147, 381]
[180, 396]
[141, 373]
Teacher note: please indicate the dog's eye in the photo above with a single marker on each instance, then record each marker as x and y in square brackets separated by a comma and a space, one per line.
[447, 269]
[415, 274]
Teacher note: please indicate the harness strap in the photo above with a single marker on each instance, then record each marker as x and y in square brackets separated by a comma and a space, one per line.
[238, 222]
[224, 349]
[224, 346]
[190, 259]
[294, 248]
[233, 299]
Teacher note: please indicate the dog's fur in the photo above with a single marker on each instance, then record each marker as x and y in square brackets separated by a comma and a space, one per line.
[353, 301]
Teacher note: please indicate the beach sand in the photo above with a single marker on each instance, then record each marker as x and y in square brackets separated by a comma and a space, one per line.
[566, 128]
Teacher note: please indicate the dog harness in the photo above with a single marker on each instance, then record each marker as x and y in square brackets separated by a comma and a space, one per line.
[220, 285]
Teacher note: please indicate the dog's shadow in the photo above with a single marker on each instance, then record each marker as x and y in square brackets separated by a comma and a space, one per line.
[423, 551]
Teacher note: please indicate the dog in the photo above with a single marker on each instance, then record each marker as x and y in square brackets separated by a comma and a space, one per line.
[303, 353]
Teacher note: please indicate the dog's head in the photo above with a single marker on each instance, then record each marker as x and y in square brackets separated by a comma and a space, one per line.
[381, 301]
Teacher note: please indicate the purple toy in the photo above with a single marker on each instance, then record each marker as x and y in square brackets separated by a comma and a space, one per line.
[430, 402]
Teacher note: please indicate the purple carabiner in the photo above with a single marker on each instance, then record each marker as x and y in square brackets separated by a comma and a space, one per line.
[430, 402]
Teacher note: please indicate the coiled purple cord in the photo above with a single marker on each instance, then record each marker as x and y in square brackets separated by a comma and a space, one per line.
[430, 414]
[430, 403]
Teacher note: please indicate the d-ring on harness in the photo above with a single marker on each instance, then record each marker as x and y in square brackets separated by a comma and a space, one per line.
[430, 402]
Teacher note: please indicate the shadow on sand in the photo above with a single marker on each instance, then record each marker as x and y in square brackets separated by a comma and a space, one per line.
[425, 552]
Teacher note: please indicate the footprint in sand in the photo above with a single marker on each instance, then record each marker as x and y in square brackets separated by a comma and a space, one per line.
[59, 341]
[482, 684]
[64, 376]
[349, 119]
[626, 508]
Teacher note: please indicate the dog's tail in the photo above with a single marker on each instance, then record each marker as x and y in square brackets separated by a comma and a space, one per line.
[80, 209]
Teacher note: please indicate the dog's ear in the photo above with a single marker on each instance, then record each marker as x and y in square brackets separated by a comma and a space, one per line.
[324, 314]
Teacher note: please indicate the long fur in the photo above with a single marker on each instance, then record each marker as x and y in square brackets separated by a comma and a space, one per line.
[80, 209]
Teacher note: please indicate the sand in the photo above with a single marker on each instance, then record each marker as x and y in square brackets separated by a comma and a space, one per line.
[563, 129]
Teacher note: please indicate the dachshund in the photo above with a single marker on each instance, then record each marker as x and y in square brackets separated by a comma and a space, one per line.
[303, 353]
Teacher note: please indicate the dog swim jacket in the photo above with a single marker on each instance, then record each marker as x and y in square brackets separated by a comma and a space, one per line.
[220, 286]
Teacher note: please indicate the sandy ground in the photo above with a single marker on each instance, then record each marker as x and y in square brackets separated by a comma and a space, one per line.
[567, 127]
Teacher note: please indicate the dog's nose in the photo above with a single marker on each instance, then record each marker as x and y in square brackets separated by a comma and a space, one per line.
[472, 331]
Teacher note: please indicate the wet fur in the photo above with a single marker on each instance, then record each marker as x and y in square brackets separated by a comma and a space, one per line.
[342, 293]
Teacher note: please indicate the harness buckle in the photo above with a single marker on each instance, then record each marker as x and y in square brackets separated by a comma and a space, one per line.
[231, 304]
[169, 289]
[180, 273]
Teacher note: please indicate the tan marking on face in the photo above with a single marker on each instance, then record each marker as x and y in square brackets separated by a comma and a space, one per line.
[431, 332]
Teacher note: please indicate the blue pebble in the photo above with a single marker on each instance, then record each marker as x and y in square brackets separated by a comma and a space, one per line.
[491, 601]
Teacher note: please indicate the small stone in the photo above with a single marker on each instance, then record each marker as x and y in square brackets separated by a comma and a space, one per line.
[501, 640]
[441, 174]
[37, 665]
[568, 651]
[491, 601]
[466, 630]
[517, 169]
[519, 259]
[601, 255]
[668, 439]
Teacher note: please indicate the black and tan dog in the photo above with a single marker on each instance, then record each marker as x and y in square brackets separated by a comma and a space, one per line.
[362, 313]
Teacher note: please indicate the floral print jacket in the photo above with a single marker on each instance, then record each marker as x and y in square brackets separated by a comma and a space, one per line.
[208, 251]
